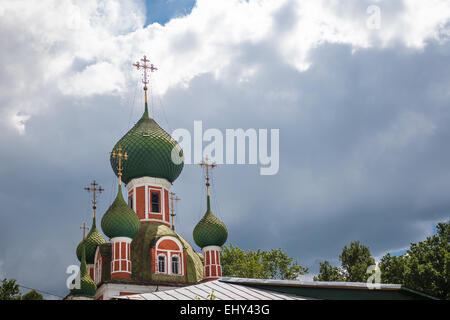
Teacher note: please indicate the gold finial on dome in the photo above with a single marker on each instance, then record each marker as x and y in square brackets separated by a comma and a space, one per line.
[84, 227]
[94, 188]
[173, 198]
[208, 165]
[145, 67]
[120, 155]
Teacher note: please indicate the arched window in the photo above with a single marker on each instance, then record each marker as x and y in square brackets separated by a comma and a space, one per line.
[162, 263]
[168, 257]
[175, 265]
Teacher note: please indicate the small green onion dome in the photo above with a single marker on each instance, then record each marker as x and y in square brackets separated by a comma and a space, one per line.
[87, 285]
[92, 240]
[210, 231]
[120, 220]
[149, 150]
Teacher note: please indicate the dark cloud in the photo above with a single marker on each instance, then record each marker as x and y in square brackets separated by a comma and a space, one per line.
[363, 156]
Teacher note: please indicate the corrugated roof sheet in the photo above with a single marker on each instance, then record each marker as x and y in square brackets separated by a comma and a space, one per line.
[222, 290]
[317, 284]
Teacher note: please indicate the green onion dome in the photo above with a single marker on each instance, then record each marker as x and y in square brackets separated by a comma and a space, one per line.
[92, 240]
[87, 285]
[149, 150]
[210, 231]
[120, 220]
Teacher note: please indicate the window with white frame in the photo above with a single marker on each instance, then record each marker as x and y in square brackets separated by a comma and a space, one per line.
[155, 201]
[162, 263]
[169, 256]
[175, 264]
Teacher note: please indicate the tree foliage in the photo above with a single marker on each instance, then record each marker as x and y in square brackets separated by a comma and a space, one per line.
[425, 266]
[354, 259]
[260, 264]
[328, 272]
[9, 290]
[392, 269]
[32, 295]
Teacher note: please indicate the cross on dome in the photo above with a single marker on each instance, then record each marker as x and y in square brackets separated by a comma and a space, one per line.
[84, 227]
[172, 204]
[145, 68]
[94, 188]
[120, 155]
[208, 165]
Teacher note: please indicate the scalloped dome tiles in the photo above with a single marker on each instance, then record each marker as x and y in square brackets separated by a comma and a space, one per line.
[149, 150]
[120, 220]
[92, 240]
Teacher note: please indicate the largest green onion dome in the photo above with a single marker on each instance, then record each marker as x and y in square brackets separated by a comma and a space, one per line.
[120, 220]
[149, 150]
[92, 240]
[87, 285]
[210, 231]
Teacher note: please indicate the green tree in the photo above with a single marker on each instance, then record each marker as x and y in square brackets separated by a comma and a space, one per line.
[425, 266]
[32, 295]
[354, 259]
[328, 272]
[260, 264]
[392, 269]
[9, 290]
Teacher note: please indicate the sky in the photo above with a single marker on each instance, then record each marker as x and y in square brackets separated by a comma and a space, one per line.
[359, 90]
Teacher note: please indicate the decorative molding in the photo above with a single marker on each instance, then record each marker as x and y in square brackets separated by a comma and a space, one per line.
[110, 290]
[121, 239]
[208, 248]
[139, 182]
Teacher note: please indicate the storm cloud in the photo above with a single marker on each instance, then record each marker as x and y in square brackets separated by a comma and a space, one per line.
[363, 118]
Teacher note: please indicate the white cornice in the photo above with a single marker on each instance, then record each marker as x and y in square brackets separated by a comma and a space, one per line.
[121, 239]
[209, 248]
[138, 182]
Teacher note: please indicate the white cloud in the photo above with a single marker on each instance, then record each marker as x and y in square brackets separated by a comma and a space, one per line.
[100, 78]
[19, 121]
[424, 20]
[85, 48]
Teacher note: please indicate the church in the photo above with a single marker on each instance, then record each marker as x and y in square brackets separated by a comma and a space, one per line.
[145, 259]
[143, 253]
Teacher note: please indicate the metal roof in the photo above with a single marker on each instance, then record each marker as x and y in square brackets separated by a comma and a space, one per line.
[316, 284]
[261, 289]
[221, 289]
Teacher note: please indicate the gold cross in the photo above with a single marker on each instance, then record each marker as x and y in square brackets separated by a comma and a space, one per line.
[146, 67]
[172, 214]
[120, 156]
[208, 165]
[94, 191]
[84, 227]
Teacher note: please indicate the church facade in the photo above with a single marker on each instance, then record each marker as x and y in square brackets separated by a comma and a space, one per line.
[142, 252]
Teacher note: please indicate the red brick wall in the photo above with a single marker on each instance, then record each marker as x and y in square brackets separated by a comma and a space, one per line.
[140, 202]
